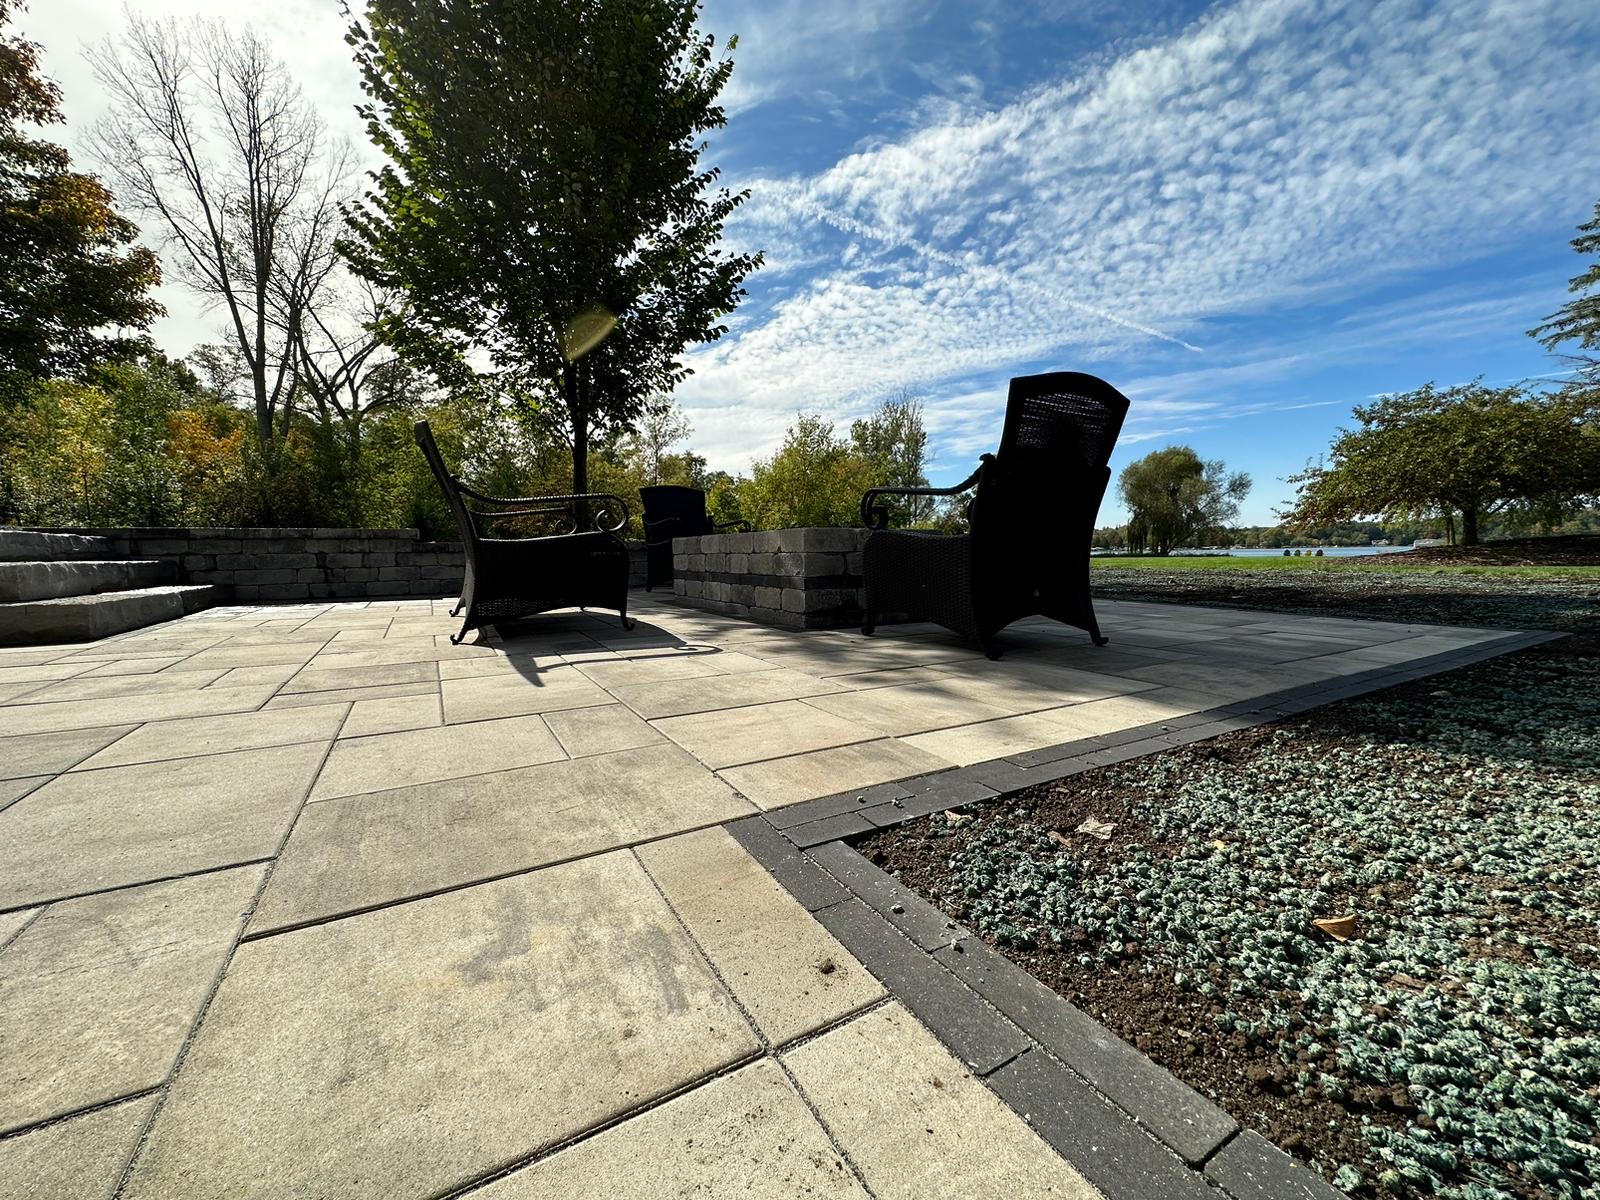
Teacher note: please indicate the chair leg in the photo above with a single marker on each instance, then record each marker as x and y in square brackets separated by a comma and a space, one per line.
[869, 624]
[990, 650]
[622, 611]
[1094, 632]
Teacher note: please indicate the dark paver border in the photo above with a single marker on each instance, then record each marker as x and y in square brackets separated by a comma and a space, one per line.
[1128, 1125]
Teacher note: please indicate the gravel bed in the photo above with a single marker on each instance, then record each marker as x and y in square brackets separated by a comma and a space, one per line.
[1451, 1046]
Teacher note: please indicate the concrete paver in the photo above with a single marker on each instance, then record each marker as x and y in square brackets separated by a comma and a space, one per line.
[190, 737]
[515, 694]
[787, 970]
[408, 1051]
[74, 1159]
[781, 781]
[728, 737]
[18, 719]
[99, 993]
[746, 1136]
[917, 1124]
[92, 830]
[600, 730]
[349, 854]
[393, 715]
[391, 760]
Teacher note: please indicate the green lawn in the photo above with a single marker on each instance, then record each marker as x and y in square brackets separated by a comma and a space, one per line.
[1223, 562]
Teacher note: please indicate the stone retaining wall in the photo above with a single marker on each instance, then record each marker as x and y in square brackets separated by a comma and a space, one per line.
[308, 564]
[796, 578]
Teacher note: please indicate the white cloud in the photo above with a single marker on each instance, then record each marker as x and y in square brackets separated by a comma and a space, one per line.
[1276, 153]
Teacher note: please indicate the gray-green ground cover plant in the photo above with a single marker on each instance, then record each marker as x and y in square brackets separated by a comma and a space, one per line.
[1452, 1046]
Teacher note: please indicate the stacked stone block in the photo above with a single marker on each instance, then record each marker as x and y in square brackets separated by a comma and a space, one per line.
[794, 578]
[251, 565]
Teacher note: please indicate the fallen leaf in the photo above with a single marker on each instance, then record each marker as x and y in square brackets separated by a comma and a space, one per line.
[1059, 838]
[1340, 929]
[955, 820]
[1095, 827]
[1220, 844]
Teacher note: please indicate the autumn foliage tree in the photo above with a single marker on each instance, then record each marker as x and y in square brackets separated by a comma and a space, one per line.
[74, 288]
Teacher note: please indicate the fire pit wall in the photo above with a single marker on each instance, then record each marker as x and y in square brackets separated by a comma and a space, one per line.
[794, 578]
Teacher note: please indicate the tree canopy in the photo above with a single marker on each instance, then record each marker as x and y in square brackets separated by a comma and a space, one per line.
[74, 284]
[1470, 448]
[544, 201]
[1175, 498]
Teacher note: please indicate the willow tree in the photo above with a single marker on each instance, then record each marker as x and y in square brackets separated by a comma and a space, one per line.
[1175, 498]
[545, 211]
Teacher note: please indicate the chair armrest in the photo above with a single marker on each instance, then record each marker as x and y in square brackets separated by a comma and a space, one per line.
[876, 516]
[610, 505]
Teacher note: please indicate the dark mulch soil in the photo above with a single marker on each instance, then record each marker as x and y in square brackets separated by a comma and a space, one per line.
[1469, 854]
[1577, 550]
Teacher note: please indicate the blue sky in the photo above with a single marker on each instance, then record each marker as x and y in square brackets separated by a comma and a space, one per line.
[1247, 215]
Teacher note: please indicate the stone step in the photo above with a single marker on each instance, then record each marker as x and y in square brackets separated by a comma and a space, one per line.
[30, 545]
[80, 577]
[88, 618]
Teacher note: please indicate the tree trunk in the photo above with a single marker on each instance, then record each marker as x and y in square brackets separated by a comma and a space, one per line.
[1469, 525]
[572, 385]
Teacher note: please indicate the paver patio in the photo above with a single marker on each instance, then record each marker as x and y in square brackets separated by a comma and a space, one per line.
[306, 901]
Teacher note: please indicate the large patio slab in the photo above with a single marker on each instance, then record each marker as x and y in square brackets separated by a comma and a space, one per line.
[405, 1052]
[502, 938]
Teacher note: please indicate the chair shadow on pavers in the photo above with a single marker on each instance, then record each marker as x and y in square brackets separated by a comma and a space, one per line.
[1059, 432]
[584, 563]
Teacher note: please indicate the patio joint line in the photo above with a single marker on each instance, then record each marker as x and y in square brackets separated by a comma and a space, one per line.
[74, 1113]
[595, 1129]
[126, 1175]
[138, 883]
[768, 1049]
[24, 927]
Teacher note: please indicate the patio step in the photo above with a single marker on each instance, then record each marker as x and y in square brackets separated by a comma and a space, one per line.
[31, 545]
[87, 618]
[21, 581]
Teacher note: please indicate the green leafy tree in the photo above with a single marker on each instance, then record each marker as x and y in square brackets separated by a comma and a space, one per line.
[73, 282]
[544, 202]
[1470, 449]
[1176, 498]
[893, 443]
[1578, 320]
[815, 478]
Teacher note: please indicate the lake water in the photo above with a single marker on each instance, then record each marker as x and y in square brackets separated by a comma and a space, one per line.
[1327, 551]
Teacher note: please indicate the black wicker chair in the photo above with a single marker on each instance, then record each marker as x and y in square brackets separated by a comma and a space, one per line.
[673, 512]
[1050, 474]
[586, 564]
